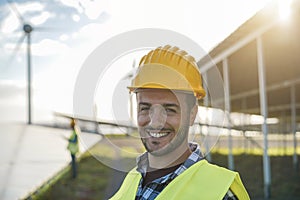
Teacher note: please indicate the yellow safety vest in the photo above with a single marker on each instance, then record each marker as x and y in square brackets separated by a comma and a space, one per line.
[73, 143]
[200, 181]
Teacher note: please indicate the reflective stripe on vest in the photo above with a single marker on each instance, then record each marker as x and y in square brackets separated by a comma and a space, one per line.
[201, 181]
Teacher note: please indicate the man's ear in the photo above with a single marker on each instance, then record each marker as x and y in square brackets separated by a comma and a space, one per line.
[193, 114]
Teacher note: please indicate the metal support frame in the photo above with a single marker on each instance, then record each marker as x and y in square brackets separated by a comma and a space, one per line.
[273, 87]
[282, 128]
[227, 112]
[244, 107]
[235, 47]
[281, 107]
[293, 125]
[264, 113]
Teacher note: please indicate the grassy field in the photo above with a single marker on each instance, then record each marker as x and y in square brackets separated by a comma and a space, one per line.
[285, 180]
[95, 176]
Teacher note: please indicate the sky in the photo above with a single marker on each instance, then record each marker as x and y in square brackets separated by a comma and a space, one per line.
[67, 31]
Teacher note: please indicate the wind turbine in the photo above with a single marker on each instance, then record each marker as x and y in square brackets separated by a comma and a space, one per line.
[27, 29]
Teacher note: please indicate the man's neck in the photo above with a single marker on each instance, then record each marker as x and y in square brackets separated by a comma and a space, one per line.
[173, 158]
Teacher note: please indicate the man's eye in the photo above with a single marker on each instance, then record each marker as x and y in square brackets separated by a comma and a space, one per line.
[171, 110]
[144, 108]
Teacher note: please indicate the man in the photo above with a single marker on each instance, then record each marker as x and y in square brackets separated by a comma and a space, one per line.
[167, 86]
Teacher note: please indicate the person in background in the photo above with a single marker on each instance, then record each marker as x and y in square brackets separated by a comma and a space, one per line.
[73, 147]
[168, 86]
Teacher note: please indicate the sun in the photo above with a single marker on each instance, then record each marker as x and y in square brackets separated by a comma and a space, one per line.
[284, 9]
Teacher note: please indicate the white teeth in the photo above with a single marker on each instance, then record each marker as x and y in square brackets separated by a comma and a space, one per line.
[157, 135]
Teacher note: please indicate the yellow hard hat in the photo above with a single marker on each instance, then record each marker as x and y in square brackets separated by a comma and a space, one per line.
[168, 68]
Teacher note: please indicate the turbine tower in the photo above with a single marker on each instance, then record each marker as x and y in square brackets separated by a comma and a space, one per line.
[27, 30]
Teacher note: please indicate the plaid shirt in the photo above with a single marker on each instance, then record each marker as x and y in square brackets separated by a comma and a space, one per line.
[152, 190]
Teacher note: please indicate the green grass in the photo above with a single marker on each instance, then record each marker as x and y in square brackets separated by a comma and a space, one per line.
[90, 183]
[94, 177]
[285, 179]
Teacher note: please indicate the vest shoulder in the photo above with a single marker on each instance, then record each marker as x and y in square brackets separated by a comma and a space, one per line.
[222, 176]
[204, 165]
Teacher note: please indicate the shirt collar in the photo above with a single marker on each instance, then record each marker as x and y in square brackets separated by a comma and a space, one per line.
[196, 155]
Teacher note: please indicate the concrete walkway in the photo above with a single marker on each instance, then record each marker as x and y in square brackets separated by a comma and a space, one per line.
[31, 155]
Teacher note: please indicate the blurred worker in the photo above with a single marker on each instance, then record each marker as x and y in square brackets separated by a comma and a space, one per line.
[73, 147]
[167, 86]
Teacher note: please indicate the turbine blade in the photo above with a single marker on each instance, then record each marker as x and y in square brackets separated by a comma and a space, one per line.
[15, 10]
[47, 29]
[15, 51]
[18, 45]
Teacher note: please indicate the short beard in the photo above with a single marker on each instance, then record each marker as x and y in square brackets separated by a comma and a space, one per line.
[180, 137]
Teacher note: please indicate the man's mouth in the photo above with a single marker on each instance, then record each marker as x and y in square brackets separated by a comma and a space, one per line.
[158, 134]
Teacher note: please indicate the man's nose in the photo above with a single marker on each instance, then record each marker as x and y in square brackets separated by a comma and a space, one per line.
[158, 116]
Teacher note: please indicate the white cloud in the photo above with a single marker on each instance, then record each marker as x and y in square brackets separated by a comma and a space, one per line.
[30, 7]
[76, 18]
[73, 3]
[42, 18]
[64, 37]
[48, 47]
[94, 33]
[93, 9]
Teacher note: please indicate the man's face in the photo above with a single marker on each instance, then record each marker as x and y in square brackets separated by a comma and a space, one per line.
[163, 119]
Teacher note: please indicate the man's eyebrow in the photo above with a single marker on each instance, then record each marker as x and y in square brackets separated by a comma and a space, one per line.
[171, 105]
[164, 105]
[145, 104]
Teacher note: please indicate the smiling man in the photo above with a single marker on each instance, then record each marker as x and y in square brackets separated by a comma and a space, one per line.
[167, 86]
